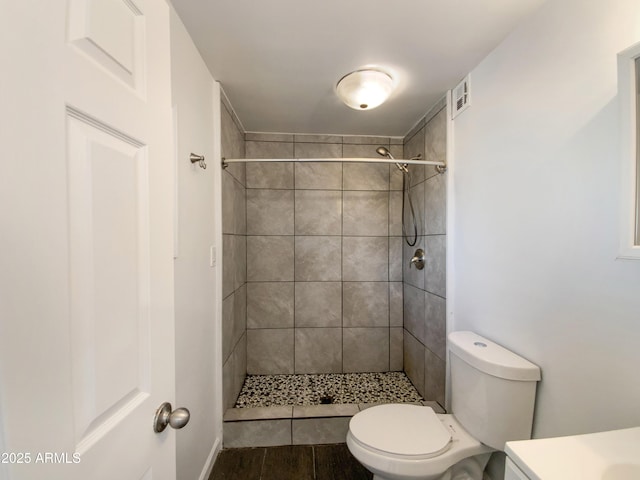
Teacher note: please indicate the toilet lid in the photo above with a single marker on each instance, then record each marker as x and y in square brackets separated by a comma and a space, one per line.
[401, 430]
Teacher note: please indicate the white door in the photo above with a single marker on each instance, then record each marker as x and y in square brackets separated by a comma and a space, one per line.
[86, 320]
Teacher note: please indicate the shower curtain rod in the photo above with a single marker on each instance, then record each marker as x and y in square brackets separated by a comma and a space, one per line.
[411, 161]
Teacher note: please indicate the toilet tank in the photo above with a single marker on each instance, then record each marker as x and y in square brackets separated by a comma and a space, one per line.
[493, 390]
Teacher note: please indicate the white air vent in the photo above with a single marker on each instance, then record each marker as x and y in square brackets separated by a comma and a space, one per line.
[461, 97]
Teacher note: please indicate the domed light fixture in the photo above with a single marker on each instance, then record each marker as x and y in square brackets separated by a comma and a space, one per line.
[364, 89]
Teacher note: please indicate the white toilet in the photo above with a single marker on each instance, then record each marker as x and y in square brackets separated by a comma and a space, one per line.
[492, 398]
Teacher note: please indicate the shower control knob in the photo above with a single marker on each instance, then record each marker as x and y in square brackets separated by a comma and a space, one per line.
[177, 418]
[418, 259]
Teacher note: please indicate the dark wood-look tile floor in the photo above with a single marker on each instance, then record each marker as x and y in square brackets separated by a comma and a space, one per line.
[290, 462]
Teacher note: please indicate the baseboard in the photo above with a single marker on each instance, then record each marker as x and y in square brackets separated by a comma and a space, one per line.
[211, 459]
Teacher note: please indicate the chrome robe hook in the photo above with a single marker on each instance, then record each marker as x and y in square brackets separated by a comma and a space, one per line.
[198, 159]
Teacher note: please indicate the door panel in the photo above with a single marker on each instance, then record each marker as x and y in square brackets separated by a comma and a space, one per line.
[109, 272]
[112, 34]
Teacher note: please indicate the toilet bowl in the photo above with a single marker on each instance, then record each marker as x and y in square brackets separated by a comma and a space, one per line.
[412, 442]
[492, 398]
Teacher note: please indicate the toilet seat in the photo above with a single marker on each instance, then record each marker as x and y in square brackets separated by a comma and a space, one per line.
[401, 430]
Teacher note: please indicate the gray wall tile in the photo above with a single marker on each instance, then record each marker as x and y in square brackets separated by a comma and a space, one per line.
[239, 313]
[239, 356]
[317, 259]
[330, 410]
[365, 259]
[240, 260]
[271, 258]
[396, 304]
[362, 151]
[270, 174]
[434, 377]
[310, 138]
[395, 174]
[258, 413]
[233, 259]
[229, 399]
[365, 213]
[365, 176]
[395, 213]
[414, 361]
[270, 351]
[395, 179]
[314, 431]
[424, 305]
[435, 205]
[269, 212]
[228, 191]
[365, 255]
[318, 212]
[270, 304]
[366, 140]
[414, 311]
[318, 304]
[239, 209]
[232, 145]
[436, 140]
[366, 349]
[228, 265]
[318, 350]
[316, 175]
[254, 149]
[227, 326]
[366, 304]
[415, 146]
[417, 200]
[257, 433]
[269, 137]
[435, 321]
[317, 150]
[395, 259]
[396, 342]
[435, 265]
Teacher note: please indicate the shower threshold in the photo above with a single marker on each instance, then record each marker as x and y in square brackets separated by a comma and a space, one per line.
[310, 408]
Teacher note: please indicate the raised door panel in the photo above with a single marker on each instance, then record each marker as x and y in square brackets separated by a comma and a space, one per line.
[112, 34]
[109, 272]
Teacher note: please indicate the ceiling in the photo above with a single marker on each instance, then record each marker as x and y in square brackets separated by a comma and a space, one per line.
[279, 60]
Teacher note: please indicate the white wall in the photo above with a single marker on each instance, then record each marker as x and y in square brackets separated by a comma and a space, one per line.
[194, 96]
[536, 190]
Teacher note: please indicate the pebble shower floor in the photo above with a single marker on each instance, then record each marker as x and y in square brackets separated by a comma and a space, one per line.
[316, 389]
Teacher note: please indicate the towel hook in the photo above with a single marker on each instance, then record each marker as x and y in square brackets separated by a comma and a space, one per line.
[198, 159]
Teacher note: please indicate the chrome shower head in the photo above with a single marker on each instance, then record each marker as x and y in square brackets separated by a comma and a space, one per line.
[384, 152]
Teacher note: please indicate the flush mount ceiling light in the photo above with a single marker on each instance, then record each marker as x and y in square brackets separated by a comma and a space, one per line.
[364, 89]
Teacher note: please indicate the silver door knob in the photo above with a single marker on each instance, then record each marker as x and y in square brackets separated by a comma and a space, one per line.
[177, 418]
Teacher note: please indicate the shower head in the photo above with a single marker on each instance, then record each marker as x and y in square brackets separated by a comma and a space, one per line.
[384, 152]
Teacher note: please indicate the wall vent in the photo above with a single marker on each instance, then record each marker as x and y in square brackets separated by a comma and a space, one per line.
[461, 97]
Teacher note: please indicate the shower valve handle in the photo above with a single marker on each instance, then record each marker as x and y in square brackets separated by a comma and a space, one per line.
[418, 259]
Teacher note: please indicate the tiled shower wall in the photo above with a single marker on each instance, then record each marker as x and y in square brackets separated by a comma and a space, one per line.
[425, 290]
[324, 273]
[234, 265]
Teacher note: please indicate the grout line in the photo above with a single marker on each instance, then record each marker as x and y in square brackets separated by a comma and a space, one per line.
[342, 267]
[294, 273]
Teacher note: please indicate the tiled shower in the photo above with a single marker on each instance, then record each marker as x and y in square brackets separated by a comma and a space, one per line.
[316, 279]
